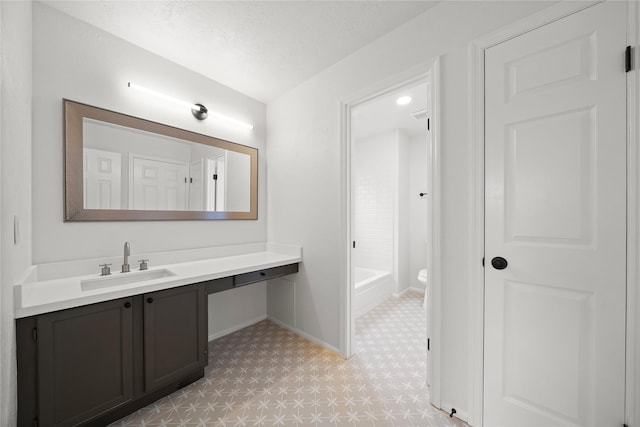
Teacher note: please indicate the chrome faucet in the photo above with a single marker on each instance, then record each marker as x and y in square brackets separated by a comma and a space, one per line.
[127, 252]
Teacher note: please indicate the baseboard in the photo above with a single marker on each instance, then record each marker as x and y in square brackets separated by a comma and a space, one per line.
[461, 415]
[305, 335]
[237, 327]
[419, 290]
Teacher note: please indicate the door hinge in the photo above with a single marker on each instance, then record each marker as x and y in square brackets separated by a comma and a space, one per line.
[428, 344]
[185, 179]
[428, 124]
[190, 180]
[625, 425]
[627, 59]
[35, 422]
[215, 176]
[354, 244]
[483, 261]
[34, 334]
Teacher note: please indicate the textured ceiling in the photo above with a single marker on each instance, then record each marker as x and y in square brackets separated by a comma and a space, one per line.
[260, 48]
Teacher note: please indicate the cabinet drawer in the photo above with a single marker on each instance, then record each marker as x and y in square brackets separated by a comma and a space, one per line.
[266, 274]
[219, 285]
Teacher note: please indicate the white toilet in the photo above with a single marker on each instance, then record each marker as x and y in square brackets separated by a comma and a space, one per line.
[422, 278]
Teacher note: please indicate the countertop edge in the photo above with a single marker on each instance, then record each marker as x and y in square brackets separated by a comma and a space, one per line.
[85, 298]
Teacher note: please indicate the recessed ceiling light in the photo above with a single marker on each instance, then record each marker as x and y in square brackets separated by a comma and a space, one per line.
[403, 100]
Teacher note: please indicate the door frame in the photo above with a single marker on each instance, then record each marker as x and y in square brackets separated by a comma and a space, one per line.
[428, 72]
[476, 248]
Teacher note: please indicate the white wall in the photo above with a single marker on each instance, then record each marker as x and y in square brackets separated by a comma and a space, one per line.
[305, 176]
[15, 182]
[74, 60]
[237, 308]
[238, 189]
[417, 208]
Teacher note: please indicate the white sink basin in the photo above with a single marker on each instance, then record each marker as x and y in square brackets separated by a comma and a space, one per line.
[118, 279]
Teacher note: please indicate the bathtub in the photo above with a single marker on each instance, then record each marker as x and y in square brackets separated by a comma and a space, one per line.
[372, 287]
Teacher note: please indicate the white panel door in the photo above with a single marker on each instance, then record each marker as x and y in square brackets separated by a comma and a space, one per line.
[158, 184]
[102, 179]
[196, 187]
[555, 195]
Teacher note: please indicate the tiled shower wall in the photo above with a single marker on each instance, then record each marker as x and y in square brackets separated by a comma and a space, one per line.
[377, 175]
[389, 173]
[375, 163]
[418, 180]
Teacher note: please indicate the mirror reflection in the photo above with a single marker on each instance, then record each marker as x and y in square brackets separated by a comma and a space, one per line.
[127, 168]
[130, 168]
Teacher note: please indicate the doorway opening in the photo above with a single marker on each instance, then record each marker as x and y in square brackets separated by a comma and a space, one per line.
[391, 161]
[389, 193]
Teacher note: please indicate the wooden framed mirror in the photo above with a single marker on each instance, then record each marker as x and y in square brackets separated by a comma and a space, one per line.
[123, 168]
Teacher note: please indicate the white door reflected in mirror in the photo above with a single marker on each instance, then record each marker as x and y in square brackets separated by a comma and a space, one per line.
[127, 168]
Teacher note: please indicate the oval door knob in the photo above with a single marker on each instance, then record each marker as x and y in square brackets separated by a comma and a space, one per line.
[499, 263]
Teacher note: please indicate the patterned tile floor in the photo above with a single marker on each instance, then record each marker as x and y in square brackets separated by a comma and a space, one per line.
[264, 375]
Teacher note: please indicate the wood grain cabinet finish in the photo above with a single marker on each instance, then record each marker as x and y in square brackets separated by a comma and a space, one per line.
[85, 362]
[94, 364]
[175, 335]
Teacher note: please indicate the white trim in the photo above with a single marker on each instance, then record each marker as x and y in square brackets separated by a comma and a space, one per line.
[632, 411]
[434, 260]
[237, 327]
[476, 229]
[476, 160]
[532, 22]
[395, 182]
[305, 335]
[346, 273]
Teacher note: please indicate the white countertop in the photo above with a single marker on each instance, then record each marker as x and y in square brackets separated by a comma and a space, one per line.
[43, 296]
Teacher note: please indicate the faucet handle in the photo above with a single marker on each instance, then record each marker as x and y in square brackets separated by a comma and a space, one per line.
[144, 264]
[105, 270]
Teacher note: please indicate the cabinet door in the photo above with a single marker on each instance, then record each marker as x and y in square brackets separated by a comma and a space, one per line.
[175, 341]
[85, 361]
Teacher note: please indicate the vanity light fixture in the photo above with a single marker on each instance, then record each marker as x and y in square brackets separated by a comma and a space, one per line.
[199, 111]
[403, 100]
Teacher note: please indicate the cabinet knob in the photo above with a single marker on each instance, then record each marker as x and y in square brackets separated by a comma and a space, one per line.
[149, 300]
[127, 304]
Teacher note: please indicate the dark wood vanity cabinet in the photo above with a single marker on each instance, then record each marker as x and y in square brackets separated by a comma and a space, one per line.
[175, 334]
[96, 363]
[84, 362]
